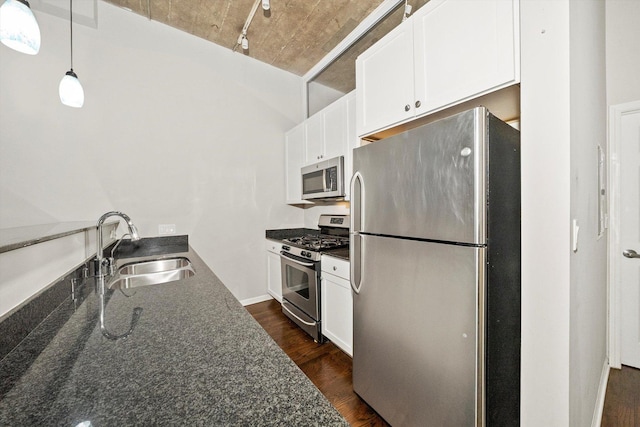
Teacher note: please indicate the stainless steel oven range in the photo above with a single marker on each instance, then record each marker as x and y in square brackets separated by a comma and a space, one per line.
[301, 271]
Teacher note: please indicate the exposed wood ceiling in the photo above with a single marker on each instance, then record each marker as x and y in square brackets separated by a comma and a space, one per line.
[294, 36]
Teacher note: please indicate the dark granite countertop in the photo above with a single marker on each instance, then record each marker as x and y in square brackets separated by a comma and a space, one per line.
[285, 233]
[279, 234]
[342, 253]
[196, 356]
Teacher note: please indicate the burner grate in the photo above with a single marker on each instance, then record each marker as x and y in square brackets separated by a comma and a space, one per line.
[318, 241]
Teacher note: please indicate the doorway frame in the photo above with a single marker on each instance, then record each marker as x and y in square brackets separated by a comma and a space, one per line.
[616, 112]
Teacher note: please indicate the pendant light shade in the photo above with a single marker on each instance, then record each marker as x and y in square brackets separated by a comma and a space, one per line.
[70, 90]
[18, 27]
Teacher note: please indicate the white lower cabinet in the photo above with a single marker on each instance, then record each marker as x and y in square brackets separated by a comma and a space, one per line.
[274, 271]
[337, 303]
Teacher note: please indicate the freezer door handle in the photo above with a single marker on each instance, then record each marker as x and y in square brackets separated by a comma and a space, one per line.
[355, 256]
[357, 202]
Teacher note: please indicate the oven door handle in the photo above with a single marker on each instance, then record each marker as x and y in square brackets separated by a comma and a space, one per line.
[294, 315]
[306, 264]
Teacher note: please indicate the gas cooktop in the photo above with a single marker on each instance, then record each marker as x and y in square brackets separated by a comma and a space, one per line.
[318, 242]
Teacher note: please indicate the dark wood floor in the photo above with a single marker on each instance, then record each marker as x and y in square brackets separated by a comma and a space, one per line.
[622, 401]
[326, 365]
[330, 370]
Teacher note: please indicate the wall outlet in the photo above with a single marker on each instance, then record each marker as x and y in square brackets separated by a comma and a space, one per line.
[165, 229]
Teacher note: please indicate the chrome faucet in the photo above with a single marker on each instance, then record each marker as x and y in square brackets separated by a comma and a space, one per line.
[107, 262]
[135, 316]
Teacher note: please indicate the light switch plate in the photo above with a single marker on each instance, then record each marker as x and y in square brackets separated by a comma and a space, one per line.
[166, 229]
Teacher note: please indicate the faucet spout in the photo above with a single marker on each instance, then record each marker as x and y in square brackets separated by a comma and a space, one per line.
[133, 232]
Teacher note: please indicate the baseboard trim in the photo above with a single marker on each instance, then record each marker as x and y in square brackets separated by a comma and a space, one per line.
[602, 391]
[255, 300]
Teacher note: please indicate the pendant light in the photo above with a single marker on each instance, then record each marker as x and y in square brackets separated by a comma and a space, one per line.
[70, 90]
[18, 27]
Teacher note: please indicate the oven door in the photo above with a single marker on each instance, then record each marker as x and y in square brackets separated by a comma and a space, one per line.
[300, 284]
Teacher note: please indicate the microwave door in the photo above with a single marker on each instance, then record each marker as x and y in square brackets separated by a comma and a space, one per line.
[323, 180]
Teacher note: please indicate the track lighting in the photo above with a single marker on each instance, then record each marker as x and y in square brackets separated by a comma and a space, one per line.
[70, 89]
[407, 10]
[242, 38]
[18, 27]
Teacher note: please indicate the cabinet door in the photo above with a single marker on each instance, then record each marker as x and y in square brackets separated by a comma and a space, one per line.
[294, 158]
[274, 276]
[335, 129]
[353, 141]
[337, 312]
[463, 49]
[384, 81]
[315, 138]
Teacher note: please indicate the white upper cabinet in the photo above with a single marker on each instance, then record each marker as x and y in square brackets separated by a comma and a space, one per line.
[314, 143]
[354, 142]
[336, 130]
[458, 50]
[384, 81]
[294, 146]
[464, 48]
[329, 133]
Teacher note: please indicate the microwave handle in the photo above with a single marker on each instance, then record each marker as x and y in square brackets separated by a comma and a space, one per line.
[325, 175]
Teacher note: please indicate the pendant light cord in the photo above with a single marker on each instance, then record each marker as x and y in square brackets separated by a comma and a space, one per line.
[71, 28]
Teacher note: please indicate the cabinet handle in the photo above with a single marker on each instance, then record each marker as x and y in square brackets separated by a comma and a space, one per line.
[407, 107]
[335, 268]
[418, 104]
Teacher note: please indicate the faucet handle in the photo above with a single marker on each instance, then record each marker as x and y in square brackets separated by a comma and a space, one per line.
[110, 265]
[113, 250]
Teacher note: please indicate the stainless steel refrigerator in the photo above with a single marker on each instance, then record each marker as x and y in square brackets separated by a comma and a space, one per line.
[435, 272]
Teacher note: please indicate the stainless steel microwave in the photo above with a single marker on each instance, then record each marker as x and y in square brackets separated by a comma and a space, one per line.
[323, 180]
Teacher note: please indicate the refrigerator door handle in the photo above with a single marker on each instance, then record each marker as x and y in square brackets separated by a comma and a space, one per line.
[355, 256]
[357, 203]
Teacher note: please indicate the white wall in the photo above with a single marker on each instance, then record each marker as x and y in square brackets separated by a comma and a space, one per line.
[545, 156]
[623, 47]
[174, 130]
[312, 212]
[320, 96]
[588, 315]
[563, 293]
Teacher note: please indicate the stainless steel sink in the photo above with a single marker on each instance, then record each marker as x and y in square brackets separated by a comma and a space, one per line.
[152, 272]
[155, 266]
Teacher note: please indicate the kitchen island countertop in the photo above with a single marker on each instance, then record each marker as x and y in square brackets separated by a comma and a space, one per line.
[195, 356]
